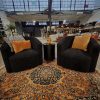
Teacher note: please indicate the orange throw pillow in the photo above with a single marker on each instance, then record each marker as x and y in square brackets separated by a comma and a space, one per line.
[81, 42]
[21, 45]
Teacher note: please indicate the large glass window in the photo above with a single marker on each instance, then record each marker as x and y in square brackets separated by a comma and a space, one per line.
[73, 3]
[8, 5]
[26, 4]
[1, 5]
[33, 5]
[41, 5]
[89, 4]
[56, 4]
[79, 5]
[66, 4]
[19, 5]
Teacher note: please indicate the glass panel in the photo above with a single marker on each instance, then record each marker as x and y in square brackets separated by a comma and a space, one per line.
[65, 4]
[1, 5]
[73, 4]
[8, 5]
[89, 4]
[56, 4]
[19, 5]
[33, 5]
[79, 5]
[43, 4]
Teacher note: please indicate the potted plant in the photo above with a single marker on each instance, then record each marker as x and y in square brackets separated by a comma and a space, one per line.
[11, 27]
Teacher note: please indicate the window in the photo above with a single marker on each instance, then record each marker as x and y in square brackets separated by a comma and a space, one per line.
[56, 4]
[65, 5]
[41, 5]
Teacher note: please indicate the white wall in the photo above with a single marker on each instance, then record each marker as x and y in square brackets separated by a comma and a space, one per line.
[90, 18]
[4, 18]
[95, 16]
[85, 19]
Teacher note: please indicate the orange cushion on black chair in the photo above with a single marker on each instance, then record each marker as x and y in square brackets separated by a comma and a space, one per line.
[81, 42]
[21, 45]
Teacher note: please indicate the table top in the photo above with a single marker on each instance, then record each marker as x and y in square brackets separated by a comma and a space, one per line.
[53, 38]
[44, 40]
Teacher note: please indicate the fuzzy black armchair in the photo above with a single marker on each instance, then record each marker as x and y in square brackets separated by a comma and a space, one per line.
[76, 59]
[25, 59]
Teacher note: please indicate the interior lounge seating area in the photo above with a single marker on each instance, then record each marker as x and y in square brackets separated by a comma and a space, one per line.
[49, 49]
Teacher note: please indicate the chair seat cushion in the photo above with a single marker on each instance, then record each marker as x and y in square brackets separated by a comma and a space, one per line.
[77, 59]
[24, 59]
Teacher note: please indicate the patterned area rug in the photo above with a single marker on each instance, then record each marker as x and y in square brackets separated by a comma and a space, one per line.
[50, 82]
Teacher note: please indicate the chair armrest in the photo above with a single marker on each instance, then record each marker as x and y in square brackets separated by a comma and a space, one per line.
[6, 53]
[93, 47]
[6, 50]
[36, 45]
[93, 50]
[64, 44]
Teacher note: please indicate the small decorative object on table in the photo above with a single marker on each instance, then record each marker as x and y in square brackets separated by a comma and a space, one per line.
[49, 40]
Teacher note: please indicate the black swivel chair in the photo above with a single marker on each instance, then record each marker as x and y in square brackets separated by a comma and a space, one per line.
[25, 59]
[77, 59]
